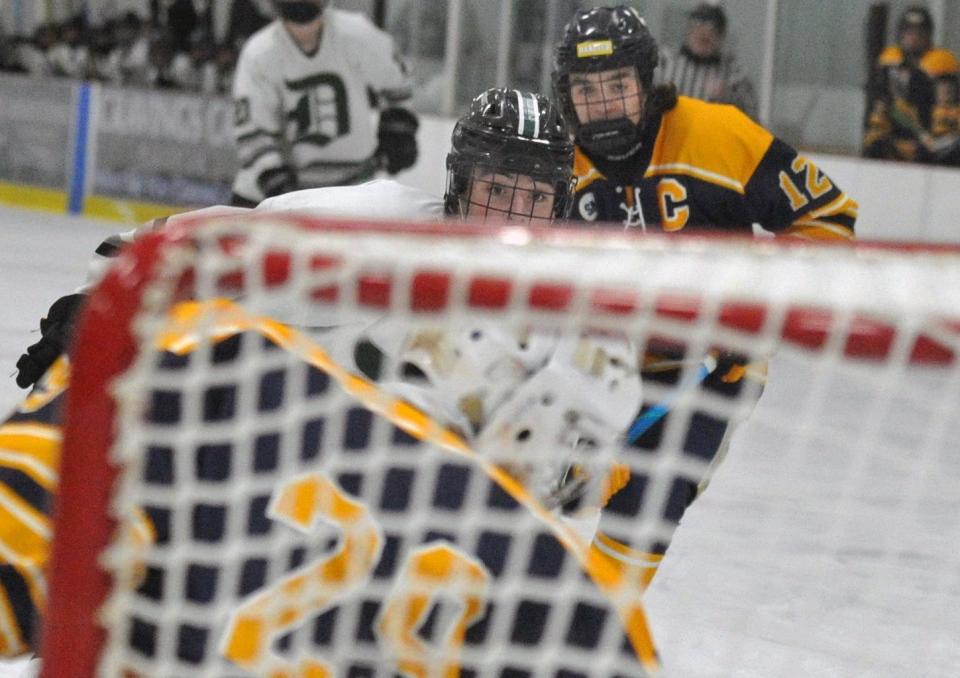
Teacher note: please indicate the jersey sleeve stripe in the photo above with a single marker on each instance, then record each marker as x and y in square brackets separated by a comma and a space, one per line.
[26, 488]
[696, 173]
[19, 601]
[262, 153]
[11, 643]
[16, 429]
[39, 472]
[31, 568]
[841, 204]
[250, 136]
[819, 231]
[31, 529]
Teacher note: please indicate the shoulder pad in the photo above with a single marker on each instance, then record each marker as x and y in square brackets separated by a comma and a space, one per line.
[717, 142]
[584, 171]
[891, 56]
[939, 62]
[348, 23]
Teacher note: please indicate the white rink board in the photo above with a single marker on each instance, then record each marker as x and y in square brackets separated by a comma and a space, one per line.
[767, 599]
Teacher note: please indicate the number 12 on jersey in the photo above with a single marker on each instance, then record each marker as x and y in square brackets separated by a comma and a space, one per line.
[813, 183]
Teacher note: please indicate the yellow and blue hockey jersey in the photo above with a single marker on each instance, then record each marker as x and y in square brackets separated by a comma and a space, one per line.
[29, 470]
[710, 167]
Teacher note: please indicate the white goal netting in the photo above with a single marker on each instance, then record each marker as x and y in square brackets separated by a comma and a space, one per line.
[245, 491]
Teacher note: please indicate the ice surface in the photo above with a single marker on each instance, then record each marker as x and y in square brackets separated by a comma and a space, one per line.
[762, 580]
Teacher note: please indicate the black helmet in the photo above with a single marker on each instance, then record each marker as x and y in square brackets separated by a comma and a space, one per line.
[300, 11]
[916, 17]
[711, 14]
[510, 132]
[601, 39]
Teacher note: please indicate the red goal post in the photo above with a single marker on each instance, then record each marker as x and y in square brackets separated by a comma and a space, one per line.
[174, 427]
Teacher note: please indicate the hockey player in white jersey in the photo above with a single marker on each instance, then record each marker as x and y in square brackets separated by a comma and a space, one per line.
[305, 89]
[541, 403]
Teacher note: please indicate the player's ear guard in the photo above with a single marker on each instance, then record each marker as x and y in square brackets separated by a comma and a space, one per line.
[55, 333]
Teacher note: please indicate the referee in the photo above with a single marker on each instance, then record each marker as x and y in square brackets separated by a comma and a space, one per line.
[701, 69]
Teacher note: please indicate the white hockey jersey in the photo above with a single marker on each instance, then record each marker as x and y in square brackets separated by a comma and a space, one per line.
[378, 199]
[313, 113]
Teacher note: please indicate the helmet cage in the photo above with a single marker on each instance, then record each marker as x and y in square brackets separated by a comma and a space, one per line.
[599, 40]
[464, 189]
[490, 140]
[610, 98]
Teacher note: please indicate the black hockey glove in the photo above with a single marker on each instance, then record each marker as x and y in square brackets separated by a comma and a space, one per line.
[55, 332]
[397, 138]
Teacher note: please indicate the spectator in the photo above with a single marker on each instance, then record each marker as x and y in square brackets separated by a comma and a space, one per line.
[10, 54]
[701, 69]
[104, 61]
[225, 60]
[194, 70]
[304, 90]
[34, 55]
[181, 20]
[246, 18]
[133, 49]
[70, 56]
[913, 112]
[160, 71]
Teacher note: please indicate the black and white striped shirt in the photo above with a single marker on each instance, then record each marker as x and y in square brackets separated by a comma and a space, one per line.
[718, 79]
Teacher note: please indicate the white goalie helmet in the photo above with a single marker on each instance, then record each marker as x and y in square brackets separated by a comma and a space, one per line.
[537, 404]
[571, 413]
[474, 370]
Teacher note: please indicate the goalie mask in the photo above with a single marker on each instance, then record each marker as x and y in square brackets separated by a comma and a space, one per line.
[602, 74]
[511, 160]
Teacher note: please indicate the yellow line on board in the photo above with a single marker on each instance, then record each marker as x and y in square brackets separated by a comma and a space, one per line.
[95, 207]
[32, 197]
[128, 211]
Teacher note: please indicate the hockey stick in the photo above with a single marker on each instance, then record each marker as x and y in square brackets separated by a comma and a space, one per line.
[658, 411]
[756, 371]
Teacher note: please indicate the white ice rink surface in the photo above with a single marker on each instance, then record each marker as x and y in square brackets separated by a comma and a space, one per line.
[801, 560]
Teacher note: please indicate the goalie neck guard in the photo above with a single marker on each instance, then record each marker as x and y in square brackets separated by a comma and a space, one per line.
[598, 40]
[510, 132]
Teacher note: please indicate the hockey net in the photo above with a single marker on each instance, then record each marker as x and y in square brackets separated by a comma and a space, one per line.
[240, 497]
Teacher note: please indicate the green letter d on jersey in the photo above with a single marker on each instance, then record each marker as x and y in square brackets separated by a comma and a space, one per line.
[321, 114]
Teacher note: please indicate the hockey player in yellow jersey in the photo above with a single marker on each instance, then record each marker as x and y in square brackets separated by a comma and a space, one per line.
[913, 112]
[648, 160]
[653, 161]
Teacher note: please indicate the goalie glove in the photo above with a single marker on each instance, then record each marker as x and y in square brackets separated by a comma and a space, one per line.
[55, 332]
[397, 137]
